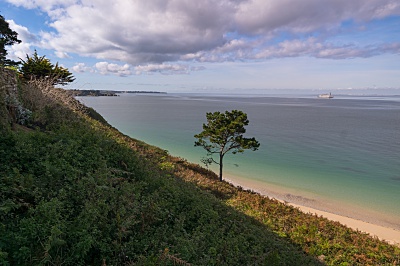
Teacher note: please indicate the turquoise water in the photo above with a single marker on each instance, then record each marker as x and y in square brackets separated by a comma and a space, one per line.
[340, 155]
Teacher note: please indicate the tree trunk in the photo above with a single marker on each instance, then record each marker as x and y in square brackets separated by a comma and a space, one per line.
[220, 166]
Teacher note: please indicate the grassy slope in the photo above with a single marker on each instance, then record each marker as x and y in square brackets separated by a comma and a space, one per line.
[75, 191]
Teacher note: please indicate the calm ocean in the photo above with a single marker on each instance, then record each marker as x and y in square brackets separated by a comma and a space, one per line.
[340, 155]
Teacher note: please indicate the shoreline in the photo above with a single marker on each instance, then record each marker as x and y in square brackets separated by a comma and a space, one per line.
[375, 229]
[355, 217]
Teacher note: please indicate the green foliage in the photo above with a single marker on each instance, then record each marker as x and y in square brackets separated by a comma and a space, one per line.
[95, 115]
[7, 37]
[75, 197]
[332, 242]
[223, 133]
[39, 67]
[77, 192]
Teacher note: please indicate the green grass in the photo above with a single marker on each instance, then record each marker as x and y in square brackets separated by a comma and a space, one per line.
[74, 191]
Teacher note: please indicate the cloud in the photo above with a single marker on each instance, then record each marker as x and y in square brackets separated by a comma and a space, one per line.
[260, 17]
[20, 50]
[392, 48]
[139, 31]
[166, 69]
[23, 33]
[54, 8]
[60, 54]
[315, 48]
[153, 34]
[197, 68]
[311, 47]
[81, 68]
[106, 68]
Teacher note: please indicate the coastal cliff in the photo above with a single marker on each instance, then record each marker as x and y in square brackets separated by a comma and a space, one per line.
[8, 90]
[74, 190]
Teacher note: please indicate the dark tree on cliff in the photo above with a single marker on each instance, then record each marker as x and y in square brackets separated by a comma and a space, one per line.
[7, 37]
[223, 133]
[39, 67]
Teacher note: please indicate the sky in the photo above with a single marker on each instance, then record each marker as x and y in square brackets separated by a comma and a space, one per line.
[213, 45]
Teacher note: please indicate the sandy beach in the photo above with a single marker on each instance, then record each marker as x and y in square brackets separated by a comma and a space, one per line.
[381, 231]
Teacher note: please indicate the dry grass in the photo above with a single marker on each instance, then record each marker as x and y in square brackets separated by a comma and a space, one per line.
[331, 242]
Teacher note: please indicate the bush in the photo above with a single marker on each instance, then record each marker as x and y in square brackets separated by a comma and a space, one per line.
[77, 192]
[36, 67]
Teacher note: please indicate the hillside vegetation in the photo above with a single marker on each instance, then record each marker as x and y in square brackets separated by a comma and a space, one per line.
[75, 191]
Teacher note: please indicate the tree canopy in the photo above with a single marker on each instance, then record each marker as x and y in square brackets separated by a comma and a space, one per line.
[40, 67]
[223, 133]
[7, 37]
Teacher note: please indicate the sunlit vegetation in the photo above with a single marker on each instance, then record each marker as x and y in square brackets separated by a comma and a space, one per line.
[39, 67]
[75, 191]
[223, 134]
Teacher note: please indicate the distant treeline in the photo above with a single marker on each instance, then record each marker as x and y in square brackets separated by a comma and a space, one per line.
[106, 93]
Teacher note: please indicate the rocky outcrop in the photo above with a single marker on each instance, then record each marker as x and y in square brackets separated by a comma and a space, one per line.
[8, 96]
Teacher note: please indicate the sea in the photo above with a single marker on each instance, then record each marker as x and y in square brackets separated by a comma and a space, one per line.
[340, 155]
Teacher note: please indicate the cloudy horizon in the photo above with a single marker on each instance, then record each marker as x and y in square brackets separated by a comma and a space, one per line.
[247, 44]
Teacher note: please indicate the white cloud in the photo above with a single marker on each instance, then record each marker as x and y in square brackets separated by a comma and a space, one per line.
[20, 50]
[106, 68]
[149, 33]
[139, 31]
[52, 7]
[164, 69]
[81, 68]
[23, 33]
[60, 54]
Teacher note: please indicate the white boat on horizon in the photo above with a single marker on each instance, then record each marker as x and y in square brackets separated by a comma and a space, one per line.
[326, 96]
